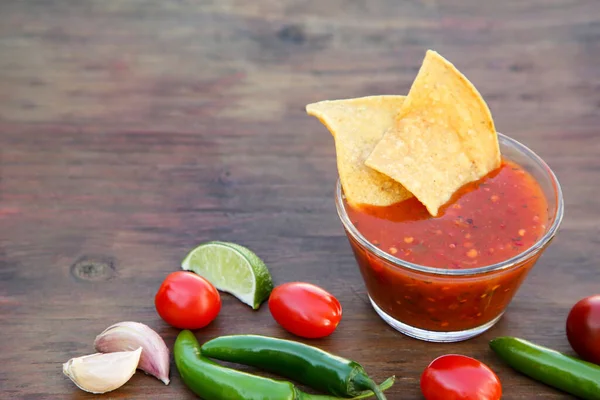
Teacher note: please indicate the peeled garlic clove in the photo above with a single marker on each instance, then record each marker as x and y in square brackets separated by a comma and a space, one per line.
[101, 373]
[130, 335]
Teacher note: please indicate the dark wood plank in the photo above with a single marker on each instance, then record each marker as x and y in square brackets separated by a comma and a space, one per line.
[130, 131]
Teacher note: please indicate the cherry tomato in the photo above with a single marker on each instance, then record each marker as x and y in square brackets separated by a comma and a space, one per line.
[456, 377]
[583, 328]
[187, 301]
[305, 310]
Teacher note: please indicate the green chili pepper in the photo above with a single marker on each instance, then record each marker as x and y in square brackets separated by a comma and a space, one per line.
[569, 374]
[300, 362]
[212, 381]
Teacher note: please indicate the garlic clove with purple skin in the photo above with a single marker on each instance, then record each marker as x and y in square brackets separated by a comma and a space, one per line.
[130, 335]
[100, 373]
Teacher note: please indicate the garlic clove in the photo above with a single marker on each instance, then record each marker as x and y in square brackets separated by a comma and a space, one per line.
[100, 373]
[130, 335]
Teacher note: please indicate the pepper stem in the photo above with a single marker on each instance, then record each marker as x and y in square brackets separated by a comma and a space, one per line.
[388, 383]
[365, 382]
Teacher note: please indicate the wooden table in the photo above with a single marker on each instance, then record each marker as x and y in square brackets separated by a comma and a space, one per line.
[131, 131]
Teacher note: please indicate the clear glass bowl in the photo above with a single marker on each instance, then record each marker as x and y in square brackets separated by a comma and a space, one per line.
[399, 290]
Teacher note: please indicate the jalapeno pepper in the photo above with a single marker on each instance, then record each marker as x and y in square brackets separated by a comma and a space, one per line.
[300, 362]
[212, 381]
[569, 374]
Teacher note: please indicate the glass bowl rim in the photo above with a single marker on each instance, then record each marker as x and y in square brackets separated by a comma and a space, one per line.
[515, 260]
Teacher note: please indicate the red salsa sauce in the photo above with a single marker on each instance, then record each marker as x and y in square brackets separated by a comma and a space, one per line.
[486, 222]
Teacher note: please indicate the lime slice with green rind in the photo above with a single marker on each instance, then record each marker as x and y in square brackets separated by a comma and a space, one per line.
[233, 269]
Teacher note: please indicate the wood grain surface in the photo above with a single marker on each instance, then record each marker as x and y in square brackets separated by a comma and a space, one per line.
[132, 130]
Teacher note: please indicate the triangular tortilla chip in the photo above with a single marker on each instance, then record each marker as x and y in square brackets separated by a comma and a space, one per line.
[357, 125]
[441, 88]
[444, 137]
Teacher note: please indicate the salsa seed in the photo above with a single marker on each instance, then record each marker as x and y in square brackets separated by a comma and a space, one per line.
[457, 206]
[460, 222]
[438, 232]
[495, 287]
[408, 239]
[472, 253]
[452, 245]
[468, 236]
[407, 252]
[468, 244]
[536, 218]
[453, 306]
[444, 288]
[393, 250]
[431, 299]
[506, 290]
[483, 296]
[376, 242]
[521, 232]
[462, 301]
[478, 314]
[491, 250]
[494, 198]
[444, 324]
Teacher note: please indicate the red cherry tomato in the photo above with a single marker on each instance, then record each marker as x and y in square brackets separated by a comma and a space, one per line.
[583, 328]
[456, 377]
[305, 310]
[187, 301]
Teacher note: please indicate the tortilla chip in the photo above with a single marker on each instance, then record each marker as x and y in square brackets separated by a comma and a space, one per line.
[357, 125]
[440, 88]
[444, 136]
[431, 164]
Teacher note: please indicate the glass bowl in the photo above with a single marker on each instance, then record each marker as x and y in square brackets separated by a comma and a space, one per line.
[402, 292]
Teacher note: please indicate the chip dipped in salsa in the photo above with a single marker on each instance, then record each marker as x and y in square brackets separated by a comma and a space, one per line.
[445, 215]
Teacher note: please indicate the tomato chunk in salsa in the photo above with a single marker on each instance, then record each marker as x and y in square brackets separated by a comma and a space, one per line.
[486, 222]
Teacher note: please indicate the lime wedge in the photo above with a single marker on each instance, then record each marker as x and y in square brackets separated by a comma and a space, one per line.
[233, 269]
